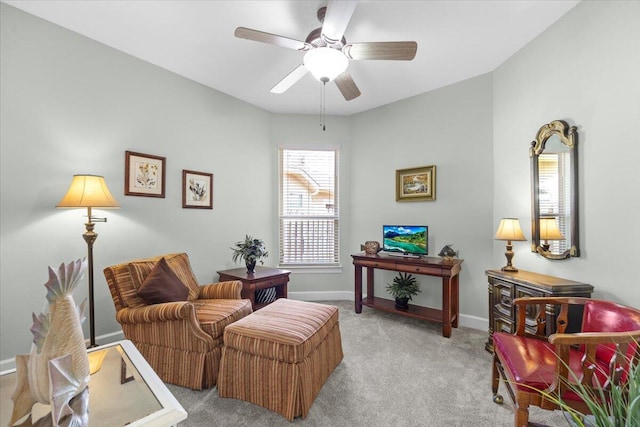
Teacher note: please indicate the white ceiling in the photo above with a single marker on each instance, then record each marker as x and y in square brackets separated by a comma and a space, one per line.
[456, 40]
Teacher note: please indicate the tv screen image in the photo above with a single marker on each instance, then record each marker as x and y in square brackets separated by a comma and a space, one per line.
[405, 239]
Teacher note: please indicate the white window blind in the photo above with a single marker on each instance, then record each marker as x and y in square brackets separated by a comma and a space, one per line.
[554, 195]
[308, 207]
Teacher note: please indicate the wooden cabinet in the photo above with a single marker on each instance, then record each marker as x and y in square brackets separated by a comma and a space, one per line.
[263, 278]
[505, 286]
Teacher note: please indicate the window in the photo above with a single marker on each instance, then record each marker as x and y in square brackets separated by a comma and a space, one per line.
[554, 194]
[309, 207]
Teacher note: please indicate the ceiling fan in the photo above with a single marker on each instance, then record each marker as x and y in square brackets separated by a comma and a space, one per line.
[328, 53]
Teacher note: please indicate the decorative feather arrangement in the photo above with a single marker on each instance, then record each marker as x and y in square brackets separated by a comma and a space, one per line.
[57, 369]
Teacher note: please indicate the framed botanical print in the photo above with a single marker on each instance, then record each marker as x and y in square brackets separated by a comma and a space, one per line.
[144, 175]
[197, 190]
[416, 184]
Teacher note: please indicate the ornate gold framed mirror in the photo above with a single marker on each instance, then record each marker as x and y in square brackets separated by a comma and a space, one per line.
[554, 191]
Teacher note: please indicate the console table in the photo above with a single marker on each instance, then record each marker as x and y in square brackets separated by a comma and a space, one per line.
[448, 270]
[263, 278]
[505, 286]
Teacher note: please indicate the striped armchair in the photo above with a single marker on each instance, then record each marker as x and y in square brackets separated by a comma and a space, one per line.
[181, 340]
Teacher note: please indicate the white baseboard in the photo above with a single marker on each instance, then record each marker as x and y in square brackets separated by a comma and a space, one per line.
[322, 296]
[474, 322]
[109, 338]
[467, 321]
[9, 364]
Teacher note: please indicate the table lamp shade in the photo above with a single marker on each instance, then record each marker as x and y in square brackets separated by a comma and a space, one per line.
[549, 229]
[88, 191]
[509, 229]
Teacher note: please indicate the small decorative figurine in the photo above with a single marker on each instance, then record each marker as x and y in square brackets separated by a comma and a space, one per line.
[371, 247]
[447, 252]
[57, 369]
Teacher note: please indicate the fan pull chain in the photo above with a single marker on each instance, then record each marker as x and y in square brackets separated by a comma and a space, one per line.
[323, 106]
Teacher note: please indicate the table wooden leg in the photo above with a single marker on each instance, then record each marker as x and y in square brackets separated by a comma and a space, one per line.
[455, 300]
[252, 297]
[446, 331]
[250, 294]
[358, 289]
[370, 292]
[446, 307]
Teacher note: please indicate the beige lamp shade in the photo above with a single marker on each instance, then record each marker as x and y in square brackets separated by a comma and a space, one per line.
[549, 229]
[88, 191]
[509, 229]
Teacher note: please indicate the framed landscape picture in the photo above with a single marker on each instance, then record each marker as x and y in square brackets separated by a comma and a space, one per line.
[416, 184]
[144, 175]
[197, 190]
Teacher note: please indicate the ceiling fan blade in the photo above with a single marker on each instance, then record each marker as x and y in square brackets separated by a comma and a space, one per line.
[336, 19]
[290, 79]
[260, 36]
[400, 51]
[347, 86]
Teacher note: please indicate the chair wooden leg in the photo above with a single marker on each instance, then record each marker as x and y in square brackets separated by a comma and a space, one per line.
[522, 412]
[495, 381]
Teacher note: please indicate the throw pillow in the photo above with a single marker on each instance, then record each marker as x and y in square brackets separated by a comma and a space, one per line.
[179, 264]
[162, 285]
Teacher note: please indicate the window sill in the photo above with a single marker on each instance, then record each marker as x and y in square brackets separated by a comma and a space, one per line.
[313, 269]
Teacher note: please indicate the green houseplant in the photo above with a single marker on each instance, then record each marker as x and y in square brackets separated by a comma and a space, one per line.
[403, 288]
[251, 251]
[616, 406]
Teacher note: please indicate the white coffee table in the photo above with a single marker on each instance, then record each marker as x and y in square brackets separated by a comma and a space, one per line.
[141, 399]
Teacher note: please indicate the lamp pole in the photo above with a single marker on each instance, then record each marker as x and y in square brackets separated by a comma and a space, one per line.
[90, 236]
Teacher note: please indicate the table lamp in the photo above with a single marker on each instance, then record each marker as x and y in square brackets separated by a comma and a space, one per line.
[89, 191]
[509, 229]
[549, 231]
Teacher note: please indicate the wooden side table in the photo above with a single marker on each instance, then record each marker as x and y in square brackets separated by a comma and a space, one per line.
[263, 278]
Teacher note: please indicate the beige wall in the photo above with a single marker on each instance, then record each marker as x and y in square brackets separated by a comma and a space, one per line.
[585, 70]
[450, 128]
[71, 105]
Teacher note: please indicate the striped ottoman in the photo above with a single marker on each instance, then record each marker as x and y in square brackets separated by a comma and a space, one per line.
[280, 356]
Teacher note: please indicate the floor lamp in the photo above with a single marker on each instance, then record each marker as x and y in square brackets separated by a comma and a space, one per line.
[89, 191]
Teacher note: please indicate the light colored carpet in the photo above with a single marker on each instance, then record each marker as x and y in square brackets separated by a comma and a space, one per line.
[396, 371]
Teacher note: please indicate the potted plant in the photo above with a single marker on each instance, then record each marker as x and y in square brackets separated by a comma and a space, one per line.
[250, 250]
[403, 288]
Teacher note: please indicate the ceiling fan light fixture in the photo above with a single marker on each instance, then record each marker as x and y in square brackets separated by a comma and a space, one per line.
[325, 63]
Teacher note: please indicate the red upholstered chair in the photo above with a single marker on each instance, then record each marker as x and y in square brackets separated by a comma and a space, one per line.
[538, 371]
[181, 339]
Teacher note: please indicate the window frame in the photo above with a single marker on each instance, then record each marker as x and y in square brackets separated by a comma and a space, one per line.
[333, 266]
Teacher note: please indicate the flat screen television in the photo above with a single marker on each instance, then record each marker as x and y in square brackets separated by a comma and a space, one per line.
[405, 239]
